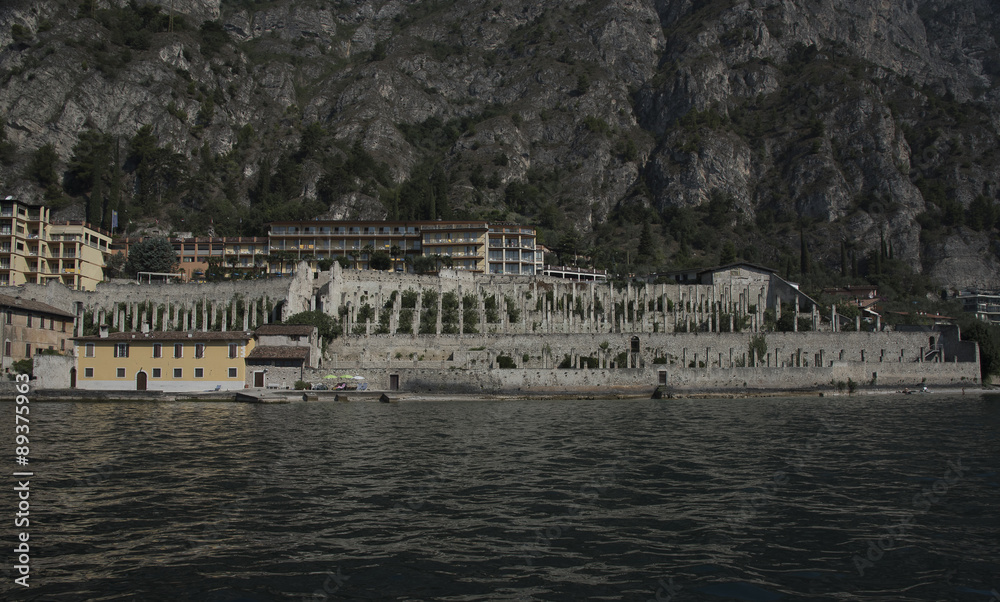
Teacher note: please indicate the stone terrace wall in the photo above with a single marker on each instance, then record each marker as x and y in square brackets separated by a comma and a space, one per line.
[126, 306]
[537, 305]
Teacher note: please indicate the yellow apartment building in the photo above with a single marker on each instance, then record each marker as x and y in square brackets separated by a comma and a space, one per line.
[35, 250]
[173, 361]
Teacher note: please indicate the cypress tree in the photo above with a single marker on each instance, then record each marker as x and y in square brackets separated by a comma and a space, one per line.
[803, 252]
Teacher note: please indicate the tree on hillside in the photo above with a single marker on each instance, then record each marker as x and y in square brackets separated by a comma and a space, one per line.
[380, 260]
[327, 327]
[988, 337]
[151, 255]
[42, 167]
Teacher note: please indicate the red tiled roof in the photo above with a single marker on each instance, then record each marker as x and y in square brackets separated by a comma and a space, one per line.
[278, 352]
[170, 335]
[285, 329]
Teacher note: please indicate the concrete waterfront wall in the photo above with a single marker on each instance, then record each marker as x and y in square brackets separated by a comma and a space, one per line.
[643, 381]
[707, 350]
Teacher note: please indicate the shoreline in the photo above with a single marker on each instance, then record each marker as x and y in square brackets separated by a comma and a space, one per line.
[270, 396]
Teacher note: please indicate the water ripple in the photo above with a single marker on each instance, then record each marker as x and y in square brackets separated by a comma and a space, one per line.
[764, 499]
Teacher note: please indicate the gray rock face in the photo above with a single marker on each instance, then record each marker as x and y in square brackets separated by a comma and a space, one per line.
[867, 120]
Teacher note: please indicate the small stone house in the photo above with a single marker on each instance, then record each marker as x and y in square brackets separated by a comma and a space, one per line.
[282, 354]
[292, 335]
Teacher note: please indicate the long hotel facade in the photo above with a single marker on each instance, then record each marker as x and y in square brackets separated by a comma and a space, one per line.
[475, 246]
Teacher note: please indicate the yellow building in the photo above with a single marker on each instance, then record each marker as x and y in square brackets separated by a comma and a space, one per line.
[35, 250]
[163, 361]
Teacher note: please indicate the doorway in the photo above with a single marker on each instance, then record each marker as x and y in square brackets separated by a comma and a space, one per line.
[258, 379]
[393, 382]
[140, 381]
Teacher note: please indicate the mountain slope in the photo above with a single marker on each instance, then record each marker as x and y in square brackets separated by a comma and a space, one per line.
[643, 134]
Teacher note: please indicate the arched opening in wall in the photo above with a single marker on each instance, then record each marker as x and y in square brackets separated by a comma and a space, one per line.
[72, 378]
[140, 381]
[635, 344]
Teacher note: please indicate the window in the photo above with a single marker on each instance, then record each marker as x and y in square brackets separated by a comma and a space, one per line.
[6, 348]
[178, 372]
[89, 350]
[9, 316]
[156, 373]
[121, 350]
[234, 372]
[29, 320]
[27, 350]
[157, 350]
[199, 350]
[199, 373]
[88, 373]
[120, 373]
[62, 344]
[232, 350]
[178, 349]
[41, 322]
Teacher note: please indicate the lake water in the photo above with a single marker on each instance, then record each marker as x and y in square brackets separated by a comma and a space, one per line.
[864, 498]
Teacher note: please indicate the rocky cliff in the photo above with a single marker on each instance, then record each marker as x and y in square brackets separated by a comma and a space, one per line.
[704, 130]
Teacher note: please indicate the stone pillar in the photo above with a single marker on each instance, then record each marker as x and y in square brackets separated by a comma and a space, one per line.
[795, 320]
[440, 306]
[833, 318]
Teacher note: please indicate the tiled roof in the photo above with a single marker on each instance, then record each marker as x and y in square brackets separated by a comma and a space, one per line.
[285, 329]
[278, 352]
[29, 305]
[171, 335]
